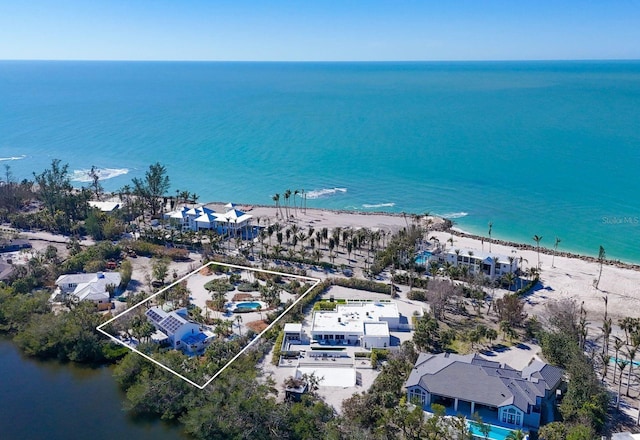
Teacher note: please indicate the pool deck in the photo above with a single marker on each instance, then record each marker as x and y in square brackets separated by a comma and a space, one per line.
[488, 417]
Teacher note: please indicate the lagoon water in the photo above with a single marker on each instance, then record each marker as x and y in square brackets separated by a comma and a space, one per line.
[546, 148]
[54, 401]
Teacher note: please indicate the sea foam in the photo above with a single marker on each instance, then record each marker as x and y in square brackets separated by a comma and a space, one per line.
[451, 215]
[378, 205]
[103, 173]
[325, 192]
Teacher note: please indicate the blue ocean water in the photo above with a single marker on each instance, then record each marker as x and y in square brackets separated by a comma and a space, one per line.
[546, 148]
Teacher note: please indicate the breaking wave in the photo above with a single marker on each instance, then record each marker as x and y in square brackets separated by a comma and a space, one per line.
[325, 192]
[103, 173]
[378, 205]
[451, 215]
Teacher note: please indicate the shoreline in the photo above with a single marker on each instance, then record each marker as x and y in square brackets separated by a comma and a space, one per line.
[546, 251]
[440, 225]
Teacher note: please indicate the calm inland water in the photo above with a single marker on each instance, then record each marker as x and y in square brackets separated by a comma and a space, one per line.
[49, 400]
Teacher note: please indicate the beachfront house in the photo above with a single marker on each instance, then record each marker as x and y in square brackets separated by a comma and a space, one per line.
[181, 334]
[502, 395]
[233, 222]
[479, 262]
[363, 323]
[95, 287]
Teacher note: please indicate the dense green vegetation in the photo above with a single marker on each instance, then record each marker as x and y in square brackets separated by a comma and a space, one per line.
[584, 406]
[235, 406]
[64, 336]
[240, 403]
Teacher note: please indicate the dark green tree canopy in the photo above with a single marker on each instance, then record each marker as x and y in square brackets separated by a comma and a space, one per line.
[153, 187]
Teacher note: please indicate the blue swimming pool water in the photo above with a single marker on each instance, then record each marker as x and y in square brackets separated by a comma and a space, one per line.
[248, 305]
[613, 360]
[496, 433]
[423, 257]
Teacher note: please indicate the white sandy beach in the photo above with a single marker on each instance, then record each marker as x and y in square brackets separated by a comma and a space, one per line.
[568, 278]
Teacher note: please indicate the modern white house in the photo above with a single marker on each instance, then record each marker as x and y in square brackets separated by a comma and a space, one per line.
[181, 333]
[93, 287]
[366, 324]
[489, 264]
[293, 331]
[467, 384]
[233, 222]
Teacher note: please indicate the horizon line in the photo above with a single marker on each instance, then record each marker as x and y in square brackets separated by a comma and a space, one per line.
[531, 60]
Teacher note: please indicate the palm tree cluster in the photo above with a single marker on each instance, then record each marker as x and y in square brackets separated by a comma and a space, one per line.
[297, 243]
[289, 195]
[624, 353]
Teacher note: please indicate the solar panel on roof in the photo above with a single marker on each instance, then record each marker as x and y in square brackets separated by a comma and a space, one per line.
[154, 315]
[171, 324]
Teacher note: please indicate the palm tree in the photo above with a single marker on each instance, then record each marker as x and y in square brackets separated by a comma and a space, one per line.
[505, 326]
[287, 195]
[521, 261]
[516, 435]
[239, 321]
[295, 207]
[491, 335]
[601, 257]
[618, 344]
[631, 354]
[538, 239]
[606, 332]
[276, 199]
[510, 278]
[604, 358]
[185, 196]
[555, 251]
[627, 325]
[450, 240]
[622, 364]
[490, 228]
[301, 238]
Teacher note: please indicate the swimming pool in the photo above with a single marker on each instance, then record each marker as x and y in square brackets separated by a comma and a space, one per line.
[496, 433]
[423, 257]
[247, 306]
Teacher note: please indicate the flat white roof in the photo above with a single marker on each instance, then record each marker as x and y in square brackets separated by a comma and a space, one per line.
[292, 327]
[351, 317]
[379, 328]
[331, 377]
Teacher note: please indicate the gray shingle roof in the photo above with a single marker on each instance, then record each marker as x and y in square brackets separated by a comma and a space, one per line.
[549, 374]
[473, 378]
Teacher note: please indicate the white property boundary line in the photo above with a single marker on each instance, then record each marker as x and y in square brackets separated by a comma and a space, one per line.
[315, 281]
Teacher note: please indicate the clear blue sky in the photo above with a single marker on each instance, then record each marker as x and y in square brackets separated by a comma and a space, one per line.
[319, 30]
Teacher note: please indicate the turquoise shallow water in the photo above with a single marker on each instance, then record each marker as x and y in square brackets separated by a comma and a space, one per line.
[546, 148]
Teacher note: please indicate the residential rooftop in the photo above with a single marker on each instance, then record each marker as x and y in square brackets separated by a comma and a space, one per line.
[351, 317]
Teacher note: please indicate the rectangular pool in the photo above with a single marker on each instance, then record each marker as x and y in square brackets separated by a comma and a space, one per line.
[496, 433]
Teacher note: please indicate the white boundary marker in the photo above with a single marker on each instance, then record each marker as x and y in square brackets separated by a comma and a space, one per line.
[315, 281]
